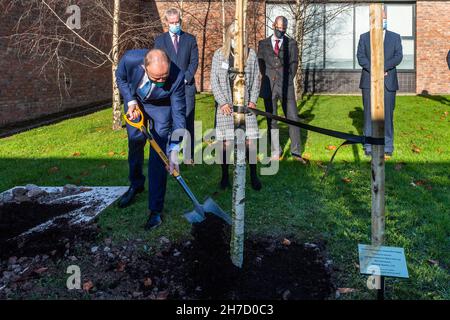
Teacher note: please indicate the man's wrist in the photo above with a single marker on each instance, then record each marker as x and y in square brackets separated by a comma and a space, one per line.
[132, 103]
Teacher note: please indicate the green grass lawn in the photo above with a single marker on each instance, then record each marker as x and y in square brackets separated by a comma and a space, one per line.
[294, 203]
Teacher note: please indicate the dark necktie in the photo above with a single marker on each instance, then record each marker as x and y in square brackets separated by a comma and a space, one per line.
[175, 43]
[277, 47]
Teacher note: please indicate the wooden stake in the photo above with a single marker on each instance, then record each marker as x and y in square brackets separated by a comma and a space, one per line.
[377, 114]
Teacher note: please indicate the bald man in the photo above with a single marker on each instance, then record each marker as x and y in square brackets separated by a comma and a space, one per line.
[147, 79]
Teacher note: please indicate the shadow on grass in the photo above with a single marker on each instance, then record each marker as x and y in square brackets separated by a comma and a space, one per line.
[292, 203]
[440, 99]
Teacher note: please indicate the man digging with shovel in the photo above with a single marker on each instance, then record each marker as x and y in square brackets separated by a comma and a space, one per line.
[147, 79]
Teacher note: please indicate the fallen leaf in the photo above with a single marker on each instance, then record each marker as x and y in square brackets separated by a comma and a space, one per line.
[123, 153]
[307, 156]
[85, 174]
[286, 242]
[147, 282]
[346, 180]
[439, 150]
[111, 153]
[69, 177]
[162, 295]
[40, 270]
[428, 187]
[330, 147]
[429, 136]
[399, 166]
[76, 154]
[121, 266]
[53, 170]
[346, 290]
[87, 286]
[415, 149]
[103, 166]
[420, 182]
[433, 262]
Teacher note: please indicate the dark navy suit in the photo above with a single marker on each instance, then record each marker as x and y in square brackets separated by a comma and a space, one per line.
[393, 55]
[187, 60]
[166, 108]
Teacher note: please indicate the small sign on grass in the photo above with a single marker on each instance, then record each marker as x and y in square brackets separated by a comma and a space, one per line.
[382, 261]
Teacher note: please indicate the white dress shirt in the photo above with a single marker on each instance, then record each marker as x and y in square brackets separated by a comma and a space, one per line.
[273, 42]
[144, 80]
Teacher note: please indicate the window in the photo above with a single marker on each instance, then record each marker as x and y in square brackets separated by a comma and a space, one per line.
[332, 32]
[339, 37]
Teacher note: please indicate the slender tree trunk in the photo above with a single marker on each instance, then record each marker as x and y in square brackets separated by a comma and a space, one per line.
[117, 110]
[223, 21]
[300, 8]
[238, 213]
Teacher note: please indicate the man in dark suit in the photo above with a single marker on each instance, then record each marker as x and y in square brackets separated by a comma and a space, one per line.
[393, 55]
[182, 49]
[278, 62]
[149, 80]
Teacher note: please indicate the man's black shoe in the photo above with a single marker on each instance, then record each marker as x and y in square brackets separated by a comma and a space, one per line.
[154, 221]
[128, 197]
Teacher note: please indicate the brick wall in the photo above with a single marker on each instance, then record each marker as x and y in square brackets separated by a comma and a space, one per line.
[27, 93]
[347, 82]
[433, 43]
[203, 19]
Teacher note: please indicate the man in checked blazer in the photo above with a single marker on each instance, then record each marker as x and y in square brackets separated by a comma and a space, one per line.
[278, 62]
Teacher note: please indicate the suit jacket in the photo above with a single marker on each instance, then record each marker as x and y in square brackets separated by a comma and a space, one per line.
[166, 105]
[278, 72]
[393, 55]
[186, 59]
[220, 80]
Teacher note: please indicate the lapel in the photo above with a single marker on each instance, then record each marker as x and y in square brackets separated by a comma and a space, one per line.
[181, 43]
[138, 73]
[387, 39]
[169, 45]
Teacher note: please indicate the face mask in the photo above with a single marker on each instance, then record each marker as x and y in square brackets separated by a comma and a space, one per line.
[279, 34]
[384, 24]
[175, 28]
[159, 84]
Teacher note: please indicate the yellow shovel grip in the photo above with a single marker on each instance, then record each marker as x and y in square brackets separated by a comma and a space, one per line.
[140, 125]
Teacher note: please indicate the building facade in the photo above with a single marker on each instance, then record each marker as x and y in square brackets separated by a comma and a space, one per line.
[329, 61]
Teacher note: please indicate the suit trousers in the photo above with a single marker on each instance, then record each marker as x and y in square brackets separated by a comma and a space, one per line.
[289, 107]
[389, 105]
[190, 121]
[157, 174]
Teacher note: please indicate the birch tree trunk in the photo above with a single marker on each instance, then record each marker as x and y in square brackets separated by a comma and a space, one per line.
[300, 11]
[238, 212]
[117, 110]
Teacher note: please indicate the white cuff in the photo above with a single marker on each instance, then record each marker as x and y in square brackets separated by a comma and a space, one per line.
[174, 147]
[132, 102]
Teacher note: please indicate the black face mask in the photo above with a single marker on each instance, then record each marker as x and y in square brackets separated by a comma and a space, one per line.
[279, 34]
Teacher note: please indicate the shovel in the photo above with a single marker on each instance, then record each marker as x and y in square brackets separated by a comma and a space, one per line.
[198, 214]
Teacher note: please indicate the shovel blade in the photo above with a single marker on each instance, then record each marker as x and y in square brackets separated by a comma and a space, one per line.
[194, 217]
[211, 207]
